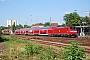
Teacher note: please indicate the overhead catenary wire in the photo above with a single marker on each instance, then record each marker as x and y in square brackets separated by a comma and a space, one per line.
[27, 8]
[29, 5]
[17, 7]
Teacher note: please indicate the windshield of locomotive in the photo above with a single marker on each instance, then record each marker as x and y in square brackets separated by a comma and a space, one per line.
[72, 28]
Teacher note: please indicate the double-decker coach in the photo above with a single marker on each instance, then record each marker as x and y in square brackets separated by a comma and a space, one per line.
[17, 32]
[32, 31]
[22, 31]
[46, 30]
[29, 31]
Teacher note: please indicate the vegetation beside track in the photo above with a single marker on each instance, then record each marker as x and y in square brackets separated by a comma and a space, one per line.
[22, 50]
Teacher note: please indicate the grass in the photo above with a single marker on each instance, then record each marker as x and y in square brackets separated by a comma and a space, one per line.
[22, 49]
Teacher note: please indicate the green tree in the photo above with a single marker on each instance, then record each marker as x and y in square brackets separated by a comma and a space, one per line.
[86, 19]
[13, 27]
[19, 26]
[26, 26]
[3, 27]
[73, 52]
[47, 24]
[72, 19]
[9, 26]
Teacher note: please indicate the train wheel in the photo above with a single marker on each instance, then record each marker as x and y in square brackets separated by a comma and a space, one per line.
[50, 35]
[69, 36]
[36, 34]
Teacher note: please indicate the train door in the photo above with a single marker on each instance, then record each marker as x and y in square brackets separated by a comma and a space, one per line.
[43, 31]
[26, 31]
[50, 30]
[36, 31]
[31, 31]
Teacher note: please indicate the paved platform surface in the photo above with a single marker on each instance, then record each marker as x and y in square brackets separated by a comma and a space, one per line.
[83, 36]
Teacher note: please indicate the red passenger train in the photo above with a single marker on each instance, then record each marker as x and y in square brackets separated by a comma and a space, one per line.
[6, 31]
[50, 31]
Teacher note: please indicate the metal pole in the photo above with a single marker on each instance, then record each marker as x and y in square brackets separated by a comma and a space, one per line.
[50, 20]
[81, 27]
[81, 30]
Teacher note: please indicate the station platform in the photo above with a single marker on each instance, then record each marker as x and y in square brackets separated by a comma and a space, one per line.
[84, 37]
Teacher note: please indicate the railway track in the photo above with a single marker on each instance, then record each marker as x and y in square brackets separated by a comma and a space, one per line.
[55, 41]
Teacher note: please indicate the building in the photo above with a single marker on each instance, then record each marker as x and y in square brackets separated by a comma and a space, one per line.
[54, 24]
[89, 16]
[37, 25]
[11, 22]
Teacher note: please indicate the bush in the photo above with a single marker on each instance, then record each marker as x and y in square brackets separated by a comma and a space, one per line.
[32, 48]
[87, 33]
[1, 39]
[73, 52]
[48, 54]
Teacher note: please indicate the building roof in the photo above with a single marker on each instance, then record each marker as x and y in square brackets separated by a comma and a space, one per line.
[37, 25]
[54, 24]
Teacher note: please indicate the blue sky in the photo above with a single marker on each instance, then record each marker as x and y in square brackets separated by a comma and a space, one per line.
[35, 11]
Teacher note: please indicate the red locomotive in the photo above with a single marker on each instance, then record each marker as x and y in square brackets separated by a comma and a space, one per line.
[65, 31]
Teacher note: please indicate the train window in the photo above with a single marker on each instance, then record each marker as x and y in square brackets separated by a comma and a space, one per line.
[31, 28]
[72, 28]
[44, 28]
[47, 27]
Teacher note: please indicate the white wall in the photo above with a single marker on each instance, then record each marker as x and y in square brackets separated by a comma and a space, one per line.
[11, 22]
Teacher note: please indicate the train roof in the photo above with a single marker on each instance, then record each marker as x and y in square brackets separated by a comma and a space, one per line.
[31, 28]
[61, 27]
[46, 27]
